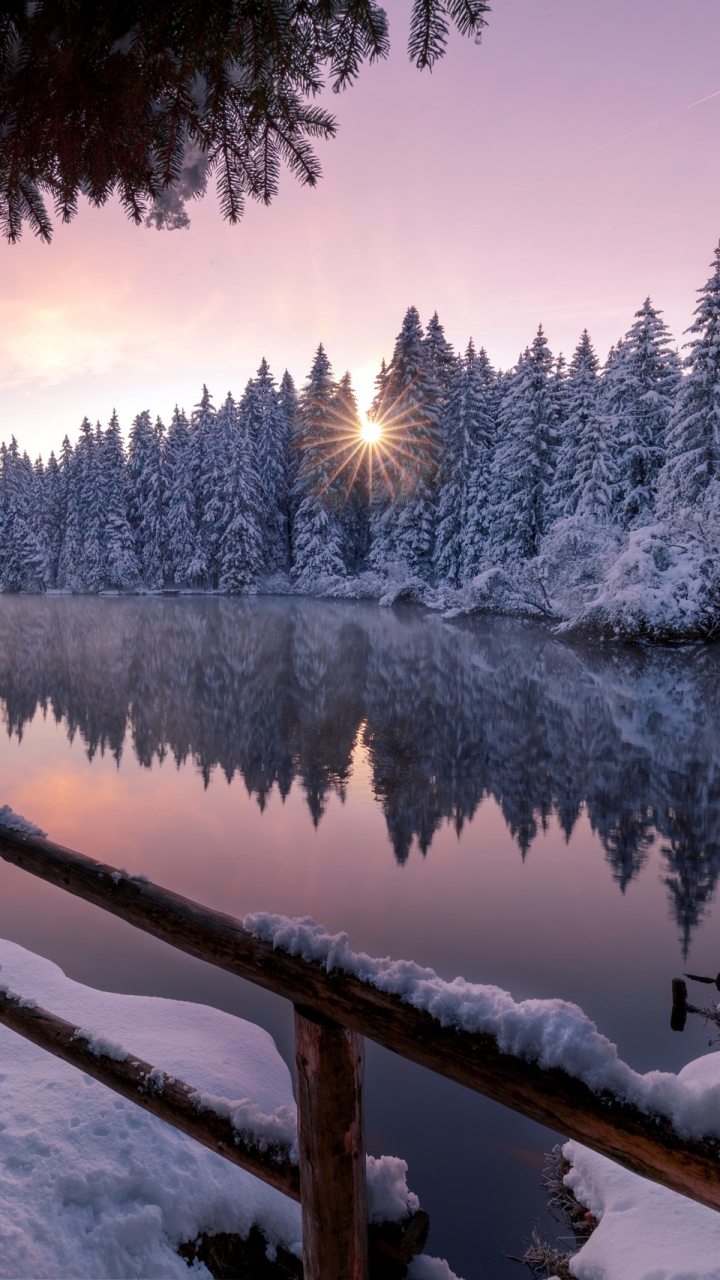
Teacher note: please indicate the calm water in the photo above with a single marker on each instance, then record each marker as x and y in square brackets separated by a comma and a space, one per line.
[482, 798]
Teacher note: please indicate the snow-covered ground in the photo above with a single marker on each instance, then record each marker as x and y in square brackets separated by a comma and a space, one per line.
[645, 1232]
[91, 1186]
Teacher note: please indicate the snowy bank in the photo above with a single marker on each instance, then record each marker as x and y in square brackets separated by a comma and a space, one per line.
[90, 1185]
[553, 1033]
[645, 1231]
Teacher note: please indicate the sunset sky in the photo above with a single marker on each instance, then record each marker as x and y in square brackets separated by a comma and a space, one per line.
[485, 190]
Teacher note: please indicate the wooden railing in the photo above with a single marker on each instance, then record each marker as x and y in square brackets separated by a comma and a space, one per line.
[333, 1012]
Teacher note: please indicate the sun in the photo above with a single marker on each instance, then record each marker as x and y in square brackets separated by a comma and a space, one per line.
[370, 432]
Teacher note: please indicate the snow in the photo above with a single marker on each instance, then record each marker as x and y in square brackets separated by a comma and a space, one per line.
[645, 1231]
[553, 1033]
[426, 1268]
[90, 1185]
[15, 822]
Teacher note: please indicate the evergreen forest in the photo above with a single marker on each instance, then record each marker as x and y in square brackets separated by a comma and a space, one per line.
[586, 493]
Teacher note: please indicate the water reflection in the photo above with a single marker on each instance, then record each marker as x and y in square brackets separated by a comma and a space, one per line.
[277, 690]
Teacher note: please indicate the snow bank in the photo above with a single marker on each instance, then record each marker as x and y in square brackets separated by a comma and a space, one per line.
[645, 1231]
[664, 585]
[552, 1033]
[15, 822]
[426, 1268]
[90, 1185]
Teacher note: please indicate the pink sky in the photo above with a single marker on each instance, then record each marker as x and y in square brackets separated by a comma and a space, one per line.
[470, 191]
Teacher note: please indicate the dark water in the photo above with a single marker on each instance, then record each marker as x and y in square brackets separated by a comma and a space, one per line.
[483, 798]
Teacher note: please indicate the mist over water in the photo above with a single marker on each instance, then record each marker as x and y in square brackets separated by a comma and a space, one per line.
[483, 797]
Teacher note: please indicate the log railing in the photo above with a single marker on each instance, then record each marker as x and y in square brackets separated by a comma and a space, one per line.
[333, 1012]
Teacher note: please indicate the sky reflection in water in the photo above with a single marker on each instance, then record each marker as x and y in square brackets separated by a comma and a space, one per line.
[484, 798]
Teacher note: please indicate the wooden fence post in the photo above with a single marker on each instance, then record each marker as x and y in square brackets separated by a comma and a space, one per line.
[329, 1063]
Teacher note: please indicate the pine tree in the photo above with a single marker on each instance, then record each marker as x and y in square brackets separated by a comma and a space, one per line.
[145, 496]
[482, 407]
[405, 486]
[580, 423]
[523, 464]
[22, 562]
[86, 564]
[70, 497]
[640, 386]
[242, 544]
[289, 406]
[208, 488]
[120, 566]
[54, 506]
[265, 418]
[317, 535]
[352, 480]
[440, 357]
[466, 439]
[692, 470]
[180, 505]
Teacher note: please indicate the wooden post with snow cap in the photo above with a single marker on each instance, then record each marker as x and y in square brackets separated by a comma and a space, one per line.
[329, 1066]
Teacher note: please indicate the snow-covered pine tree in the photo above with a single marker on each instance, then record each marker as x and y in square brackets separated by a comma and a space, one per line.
[120, 566]
[317, 535]
[145, 496]
[242, 544]
[264, 416]
[86, 568]
[208, 484]
[180, 505]
[289, 406]
[352, 481]
[594, 483]
[640, 387]
[22, 562]
[466, 439]
[482, 404]
[581, 404]
[439, 354]
[71, 545]
[54, 508]
[524, 463]
[405, 489]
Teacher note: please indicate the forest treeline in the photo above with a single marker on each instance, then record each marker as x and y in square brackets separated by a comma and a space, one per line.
[279, 692]
[547, 483]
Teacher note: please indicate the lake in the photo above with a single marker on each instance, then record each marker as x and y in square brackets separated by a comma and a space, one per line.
[481, 796]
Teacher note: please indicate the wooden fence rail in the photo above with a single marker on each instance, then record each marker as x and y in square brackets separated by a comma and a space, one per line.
[646, 1144]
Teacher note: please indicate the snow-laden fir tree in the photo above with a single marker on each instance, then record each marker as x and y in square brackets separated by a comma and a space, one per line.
[180, 507]
[580, 392]
[640, 385]
[264, 419]
[289, 406]
[243, 546]
[407, 407]
[594, 482]
[207, 487]
[120, 569]
[466, 434]
[54, 508]
[22, 562]
[317, 536]
[482, 405]
[691, 474]
[441, 358]
[524, 462]
[145, 496]
[81, 557]
[353, 462]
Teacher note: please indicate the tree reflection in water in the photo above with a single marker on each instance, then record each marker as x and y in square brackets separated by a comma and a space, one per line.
[275, 689]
